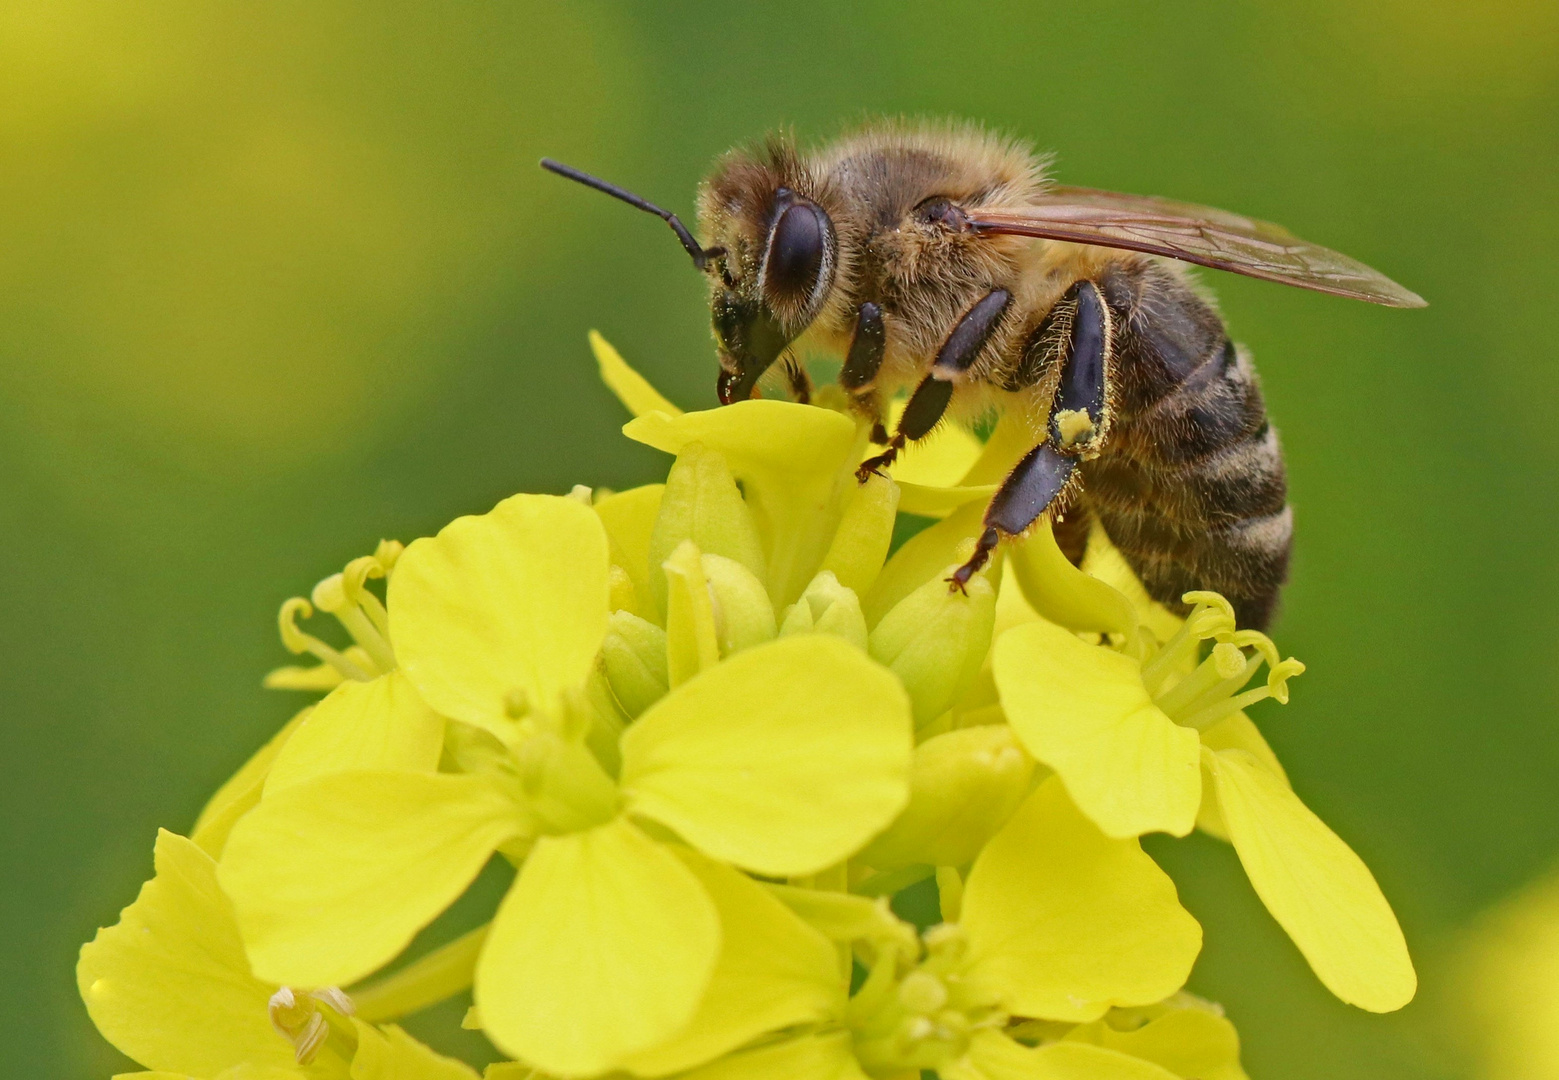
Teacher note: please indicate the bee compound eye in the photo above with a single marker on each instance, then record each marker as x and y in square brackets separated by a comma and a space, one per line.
[798, 253]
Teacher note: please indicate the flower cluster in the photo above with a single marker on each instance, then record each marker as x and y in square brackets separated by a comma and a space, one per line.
[717, 728]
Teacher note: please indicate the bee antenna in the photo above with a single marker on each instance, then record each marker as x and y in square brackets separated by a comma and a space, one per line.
[701, 255]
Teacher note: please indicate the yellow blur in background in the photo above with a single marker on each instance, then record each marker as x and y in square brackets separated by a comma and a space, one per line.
[278, 280]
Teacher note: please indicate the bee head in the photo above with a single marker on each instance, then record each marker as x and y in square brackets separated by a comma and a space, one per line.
[778, 255]
[770, 267]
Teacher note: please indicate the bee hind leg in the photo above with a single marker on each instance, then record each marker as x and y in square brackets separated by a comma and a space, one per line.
[1030, 489]
[1079, 420]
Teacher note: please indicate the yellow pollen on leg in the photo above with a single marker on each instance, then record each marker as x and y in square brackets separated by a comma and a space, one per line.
[1074, 426]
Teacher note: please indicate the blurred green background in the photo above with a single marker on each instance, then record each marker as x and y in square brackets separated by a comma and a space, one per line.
[278, 280]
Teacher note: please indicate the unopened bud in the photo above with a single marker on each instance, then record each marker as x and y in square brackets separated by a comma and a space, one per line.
[964, 785]
[701, 503]
[935, 640]
[827, 607]
[634, 652]
[743, 615]
[691, 642]
[865, 533]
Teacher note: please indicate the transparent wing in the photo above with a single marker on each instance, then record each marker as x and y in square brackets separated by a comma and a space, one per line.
[1195, 234]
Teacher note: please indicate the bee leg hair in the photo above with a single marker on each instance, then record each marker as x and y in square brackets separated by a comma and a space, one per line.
[800, 381]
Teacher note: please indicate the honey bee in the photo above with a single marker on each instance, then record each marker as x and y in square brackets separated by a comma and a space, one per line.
[941, 260]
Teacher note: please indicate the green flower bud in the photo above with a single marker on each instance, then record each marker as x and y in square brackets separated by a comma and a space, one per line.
[964, 786]
[634, 653]
[827, 607]
[701, 503]
[935, 640]
[743, 615]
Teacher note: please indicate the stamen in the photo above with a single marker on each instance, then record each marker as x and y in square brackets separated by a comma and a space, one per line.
[296, 641]
[301, 1022]
[331, 595]
[354, 581]
[388, 553]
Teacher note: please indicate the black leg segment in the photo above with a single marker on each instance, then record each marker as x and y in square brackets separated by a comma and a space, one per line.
[866, 349]
[963, 345]
[924, 412]
[1077, 418]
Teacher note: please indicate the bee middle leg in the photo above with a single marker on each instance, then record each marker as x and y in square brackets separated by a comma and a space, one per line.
[1079, 422]
[930, 399]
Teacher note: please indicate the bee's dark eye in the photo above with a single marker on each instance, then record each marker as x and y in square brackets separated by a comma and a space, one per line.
[797, 255]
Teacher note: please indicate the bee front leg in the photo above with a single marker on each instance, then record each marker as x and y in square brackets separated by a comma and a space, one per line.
[1079, 423]
[953, 359]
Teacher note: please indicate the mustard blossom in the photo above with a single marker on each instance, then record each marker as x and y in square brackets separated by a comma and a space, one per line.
[714, 724]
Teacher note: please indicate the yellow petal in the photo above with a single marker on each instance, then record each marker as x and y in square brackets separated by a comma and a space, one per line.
[631, 388]
[807, 1057]
[993, 1056]
[1082, 710]
[241, 793]
[382, 724]
[512, 601]
[938, 502]
[332, 877]
[774, 971]
[1064, 922]
[388, 1053]
[1189, 1042]
[1314, 885]
[1235, 732]
[603, 947]
[924, 555]
[795, 463]
[169, 985]
[1103, 561]
[1064, 594]
[629, 517]
[784, 759]
[964, 786]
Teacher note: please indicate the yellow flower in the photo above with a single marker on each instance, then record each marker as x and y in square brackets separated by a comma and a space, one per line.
[783, 759]
[714, 726]
[1058, 923]
[1147, 737]
[170, 987]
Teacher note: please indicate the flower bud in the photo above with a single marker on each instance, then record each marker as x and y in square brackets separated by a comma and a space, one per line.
[743, 615]
[634, 652]
[691, 642]
[935, 640]
[865, 533]
[701, 503]
[827, 607]
[964, 785]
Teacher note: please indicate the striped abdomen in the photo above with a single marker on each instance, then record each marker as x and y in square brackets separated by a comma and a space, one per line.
[1190, 485]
